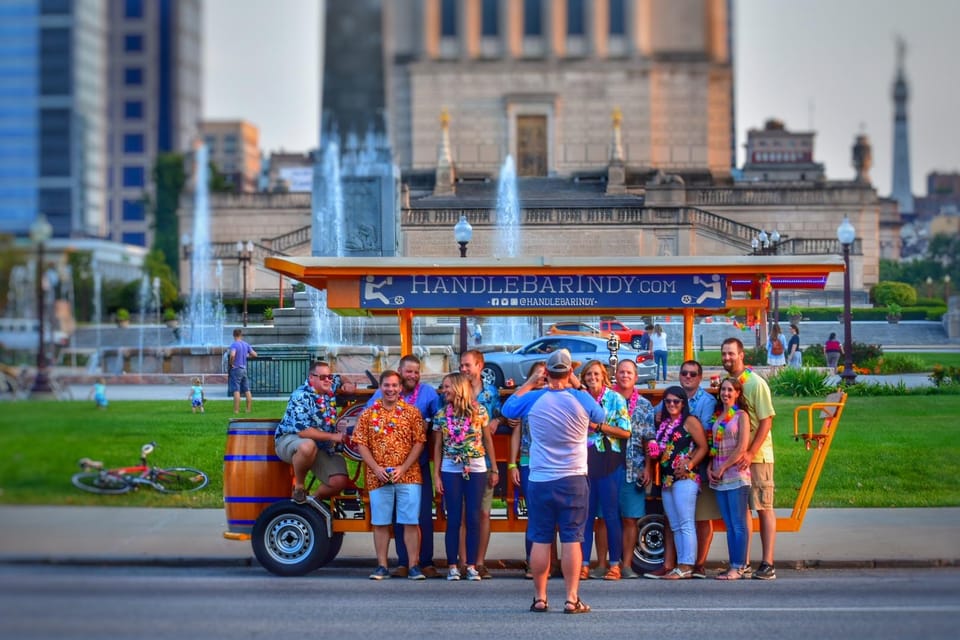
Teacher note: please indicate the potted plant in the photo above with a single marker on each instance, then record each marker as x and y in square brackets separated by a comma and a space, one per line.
[794, 313]
[893, 312]
[170, 318]
[268, 315]
[123, 318]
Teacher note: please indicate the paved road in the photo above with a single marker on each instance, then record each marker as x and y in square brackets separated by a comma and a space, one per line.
[79, 602]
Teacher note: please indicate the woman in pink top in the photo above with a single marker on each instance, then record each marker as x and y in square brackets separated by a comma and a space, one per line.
[730, 437]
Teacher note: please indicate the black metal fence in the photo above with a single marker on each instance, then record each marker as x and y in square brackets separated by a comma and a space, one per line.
[277, 374]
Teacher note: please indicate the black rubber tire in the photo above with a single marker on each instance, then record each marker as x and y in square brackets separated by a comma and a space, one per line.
[336, 542]
[290, 539]
[492, 374]
[648, 554]
[180, 480]
[100, 483]
[635, 343]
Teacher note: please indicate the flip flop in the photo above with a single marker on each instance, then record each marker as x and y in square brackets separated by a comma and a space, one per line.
[578, 607]
[733, 574]
[536, 609]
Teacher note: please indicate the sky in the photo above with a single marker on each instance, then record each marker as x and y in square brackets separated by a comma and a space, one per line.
[821, 65]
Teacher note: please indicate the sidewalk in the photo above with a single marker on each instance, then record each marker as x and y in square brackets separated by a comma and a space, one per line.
[194, 537]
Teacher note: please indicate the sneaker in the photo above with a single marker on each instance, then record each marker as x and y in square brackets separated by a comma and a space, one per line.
[299, 495]
[400, 572]
[700, 571]
[415, 574]
[380, 573]
[627, 573]
[484, 573]
[765, 572]
[658, 574]
[453, 574]
[430, 571]
[746, 571]
[473, 574]
[599, 572]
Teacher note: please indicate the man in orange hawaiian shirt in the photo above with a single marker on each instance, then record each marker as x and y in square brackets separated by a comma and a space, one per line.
[390, 436]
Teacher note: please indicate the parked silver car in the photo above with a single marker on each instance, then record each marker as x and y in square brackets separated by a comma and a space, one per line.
[501, 366]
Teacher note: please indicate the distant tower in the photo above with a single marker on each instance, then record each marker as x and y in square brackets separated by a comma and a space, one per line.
[901, 141]
[862, 158]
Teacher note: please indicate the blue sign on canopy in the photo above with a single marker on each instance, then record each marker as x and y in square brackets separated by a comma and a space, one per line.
[520, 292]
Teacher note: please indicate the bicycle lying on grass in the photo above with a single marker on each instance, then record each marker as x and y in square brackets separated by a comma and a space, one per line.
[95, 479]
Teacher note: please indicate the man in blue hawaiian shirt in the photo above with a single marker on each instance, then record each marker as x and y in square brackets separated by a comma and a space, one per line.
[307, 436]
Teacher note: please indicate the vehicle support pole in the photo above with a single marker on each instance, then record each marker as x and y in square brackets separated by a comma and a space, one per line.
[405, 316]
[688, 334]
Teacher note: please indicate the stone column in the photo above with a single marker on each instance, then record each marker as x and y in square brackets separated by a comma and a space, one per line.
[431, 29]
[469, 29]
[598, 27]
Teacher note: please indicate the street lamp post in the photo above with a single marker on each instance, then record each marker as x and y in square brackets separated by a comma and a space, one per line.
[463, 233]
[244, 255]
[846, 235]
[40, 232]
[946, 288]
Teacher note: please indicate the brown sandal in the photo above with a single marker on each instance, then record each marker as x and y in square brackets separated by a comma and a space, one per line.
[578, 607]
[536, 609]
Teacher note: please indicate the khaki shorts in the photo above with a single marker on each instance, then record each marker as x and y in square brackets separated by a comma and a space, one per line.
[707, 507]
[761, 493]
[486, 505]
[324, 466]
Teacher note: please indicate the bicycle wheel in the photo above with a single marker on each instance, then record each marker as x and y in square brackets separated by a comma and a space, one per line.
[179, 479]
[100, 482]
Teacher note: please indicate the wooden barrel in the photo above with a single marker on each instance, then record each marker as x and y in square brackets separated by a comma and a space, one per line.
[253, 476]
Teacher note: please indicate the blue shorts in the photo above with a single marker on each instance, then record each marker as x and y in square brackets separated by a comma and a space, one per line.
[237, 382]
[633, 501]
[407, 500]
[558, 504]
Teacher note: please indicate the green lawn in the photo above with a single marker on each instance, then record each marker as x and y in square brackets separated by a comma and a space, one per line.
[888, 452]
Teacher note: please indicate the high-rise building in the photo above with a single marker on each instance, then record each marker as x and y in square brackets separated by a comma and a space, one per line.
[775, 154]
[902, 191]
[155, 102]
[234, 147]
[53, 71]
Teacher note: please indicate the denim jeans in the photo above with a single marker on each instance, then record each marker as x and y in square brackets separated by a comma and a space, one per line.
[660, 358]
[456, 491]
[426, 523]
[680, 505]
[524, 483]
[733, 507]
[605, 492]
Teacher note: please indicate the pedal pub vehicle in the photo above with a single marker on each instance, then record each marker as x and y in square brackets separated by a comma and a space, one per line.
[294, 539]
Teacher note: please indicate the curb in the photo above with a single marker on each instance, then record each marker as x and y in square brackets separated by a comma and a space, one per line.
[500, 565]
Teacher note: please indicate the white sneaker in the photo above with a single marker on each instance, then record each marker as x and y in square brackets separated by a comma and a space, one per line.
[473, 574]
[453, 574]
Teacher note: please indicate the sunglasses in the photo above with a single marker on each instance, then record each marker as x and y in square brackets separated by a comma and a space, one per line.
[689, 374]
[672, 401]
[322, 376]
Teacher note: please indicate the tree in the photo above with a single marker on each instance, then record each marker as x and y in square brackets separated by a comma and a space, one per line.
[155, 266]
[944, 249]
[219, 182]
[169, 177]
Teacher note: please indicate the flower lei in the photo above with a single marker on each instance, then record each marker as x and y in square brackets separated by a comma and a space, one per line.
[599, 397]
[745, 375]
[457, 431]
[375, 417]
[327, 412]
[718, 426]
[632, 403]
[412, 398]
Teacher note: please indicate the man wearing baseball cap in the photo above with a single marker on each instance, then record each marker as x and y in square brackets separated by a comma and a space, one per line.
[560, 417]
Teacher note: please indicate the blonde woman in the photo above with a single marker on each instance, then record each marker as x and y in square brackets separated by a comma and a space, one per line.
[460, 468]
[605, 468]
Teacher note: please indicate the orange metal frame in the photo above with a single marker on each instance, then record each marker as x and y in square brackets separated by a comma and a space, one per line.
[341, 278]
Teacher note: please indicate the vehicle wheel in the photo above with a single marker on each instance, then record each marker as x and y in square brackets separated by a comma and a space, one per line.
[336, 542]
[102, 483]
[492, 374]
[180, 479]
[290, 539]
[635, 343]
[648, 554]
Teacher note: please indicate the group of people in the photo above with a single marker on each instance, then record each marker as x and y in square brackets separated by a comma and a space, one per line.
[783, 351]
[586, 452]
